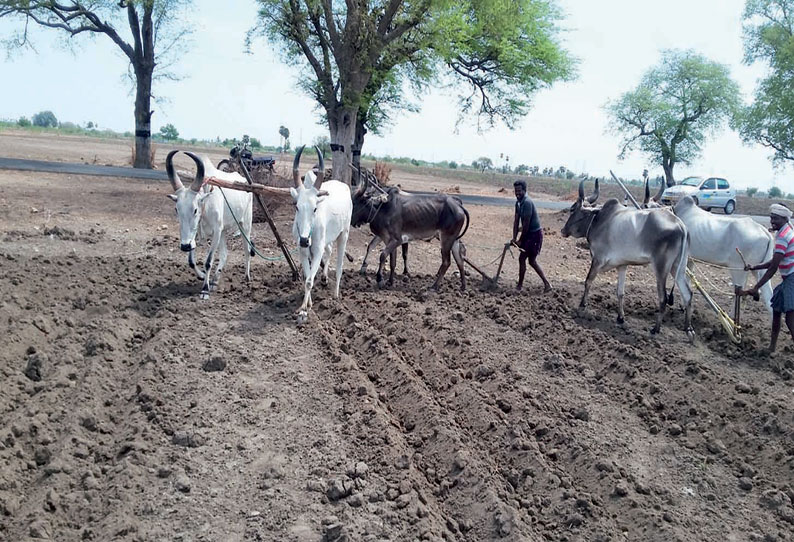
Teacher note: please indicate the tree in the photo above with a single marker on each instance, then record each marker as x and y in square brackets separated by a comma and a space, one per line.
[23, 122]
[169, 132]
[504, 51]
[678, 103]
[45, 119]
[283, 131]
[769, 37]
[323, 143]
[775, 192]
[482, 163]
[150, 23]
[751, 191]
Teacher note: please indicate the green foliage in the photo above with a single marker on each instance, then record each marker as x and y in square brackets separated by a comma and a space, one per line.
[775, 192]
[90, 125]
[502, 53]
[752, 191]
[453, 165]
[678, 103]
[769, 38]
[70, 128]
[522, 169]
[45, 119]
[169, 132]
[23, 122]
[255, 143]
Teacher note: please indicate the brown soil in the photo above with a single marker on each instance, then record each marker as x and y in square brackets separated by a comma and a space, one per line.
[132, 410]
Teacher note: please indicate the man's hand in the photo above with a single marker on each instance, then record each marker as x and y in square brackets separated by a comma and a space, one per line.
[752, 292]
[748, 267]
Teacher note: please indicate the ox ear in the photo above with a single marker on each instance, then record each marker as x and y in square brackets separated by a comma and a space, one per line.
[173, 197]
[294, 193]
[322, 193]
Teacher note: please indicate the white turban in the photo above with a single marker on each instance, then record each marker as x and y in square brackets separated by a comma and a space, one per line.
[780, 210]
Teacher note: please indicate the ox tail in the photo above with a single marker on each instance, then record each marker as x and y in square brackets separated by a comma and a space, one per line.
[465, 212]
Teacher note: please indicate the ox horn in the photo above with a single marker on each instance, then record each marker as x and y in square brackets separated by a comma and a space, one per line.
[173, 176]
[195, 186]
[594, 196]
[658, 197]
[321, 173]
[295, 163]
[581, 190]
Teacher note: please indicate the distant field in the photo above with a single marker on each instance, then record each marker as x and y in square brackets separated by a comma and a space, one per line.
[115, 149]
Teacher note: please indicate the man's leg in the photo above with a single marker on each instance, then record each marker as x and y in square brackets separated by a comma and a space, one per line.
[522, 269]
[790, 323]
[536, 266]
[776, 318]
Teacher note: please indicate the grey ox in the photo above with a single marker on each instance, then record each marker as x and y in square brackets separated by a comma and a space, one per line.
[398, 217]
[619, 237]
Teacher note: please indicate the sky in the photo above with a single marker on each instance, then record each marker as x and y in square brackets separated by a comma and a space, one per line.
[226, 93]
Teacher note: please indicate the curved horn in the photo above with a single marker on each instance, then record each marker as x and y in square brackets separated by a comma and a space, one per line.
[658, 197]
[173, 176]
[321, 168]
[195, 186]
[581, 190]
[295, 163]
[592, 199]
[647, 197]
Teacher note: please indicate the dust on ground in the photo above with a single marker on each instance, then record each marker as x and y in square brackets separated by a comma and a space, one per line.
[132, 410]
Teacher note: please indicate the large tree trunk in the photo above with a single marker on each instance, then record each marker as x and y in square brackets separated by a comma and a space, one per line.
[342, 124]
[358, 144]
[143, 119]
[667, 165]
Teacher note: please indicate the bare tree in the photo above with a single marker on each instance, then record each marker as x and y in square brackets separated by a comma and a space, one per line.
[149, 21]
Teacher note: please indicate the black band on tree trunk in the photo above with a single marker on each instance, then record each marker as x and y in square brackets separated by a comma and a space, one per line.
[335, 147]
[143, 133]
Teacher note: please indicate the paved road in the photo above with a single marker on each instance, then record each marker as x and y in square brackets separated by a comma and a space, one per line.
[114, 171]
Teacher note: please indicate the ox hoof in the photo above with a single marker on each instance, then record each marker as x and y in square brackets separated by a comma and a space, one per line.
[655, 330]
[302, 318]
[690, 333]
[362, 271]
[621, 320]
[204, 295]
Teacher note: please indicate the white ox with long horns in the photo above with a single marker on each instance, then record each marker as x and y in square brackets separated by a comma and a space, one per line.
[322, 219]
[210, 214]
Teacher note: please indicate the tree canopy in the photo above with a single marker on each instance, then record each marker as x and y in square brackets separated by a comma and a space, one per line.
[676, 106]
[150, 42]
[769, 37]
[359, 55]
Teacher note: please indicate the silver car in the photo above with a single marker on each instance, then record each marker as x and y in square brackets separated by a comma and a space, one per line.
[709, 193]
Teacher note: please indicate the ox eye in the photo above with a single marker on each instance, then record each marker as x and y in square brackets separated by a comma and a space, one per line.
[195, 211]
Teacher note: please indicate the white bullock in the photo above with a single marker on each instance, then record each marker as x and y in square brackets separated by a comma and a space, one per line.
[322, 219]
[715, 238]
[206, 214]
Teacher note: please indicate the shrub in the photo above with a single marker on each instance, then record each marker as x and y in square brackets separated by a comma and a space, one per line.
[45, 119]
[775, 192]
[70, 128]
[169, 132]
[23, 121]
[751, 192]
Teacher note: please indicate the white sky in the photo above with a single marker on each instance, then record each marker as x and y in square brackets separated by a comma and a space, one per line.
[227, 93]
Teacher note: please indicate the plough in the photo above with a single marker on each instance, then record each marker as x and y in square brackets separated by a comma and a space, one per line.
[495, 279]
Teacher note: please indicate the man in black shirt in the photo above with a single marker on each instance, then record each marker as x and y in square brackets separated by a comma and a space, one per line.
[531, 239]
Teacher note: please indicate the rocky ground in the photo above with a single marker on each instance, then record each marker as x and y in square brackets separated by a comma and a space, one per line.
[132, 410]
